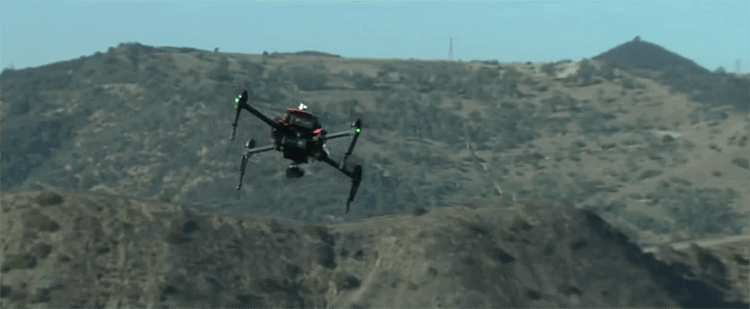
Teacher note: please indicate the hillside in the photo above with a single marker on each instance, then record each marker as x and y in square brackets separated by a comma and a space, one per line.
[486, 183]
[66, 250]
[680, 74]
[646, 55]
[661, 155]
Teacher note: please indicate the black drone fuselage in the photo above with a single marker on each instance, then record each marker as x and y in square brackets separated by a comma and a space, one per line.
[300, 137]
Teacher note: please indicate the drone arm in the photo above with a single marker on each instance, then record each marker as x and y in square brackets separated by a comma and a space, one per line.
[242, 104]
[249, 152]
[338, 135]
[259, 149]
[357, 125]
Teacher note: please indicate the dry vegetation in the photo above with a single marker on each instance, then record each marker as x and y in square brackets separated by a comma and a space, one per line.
[100, 250]
[658, 149]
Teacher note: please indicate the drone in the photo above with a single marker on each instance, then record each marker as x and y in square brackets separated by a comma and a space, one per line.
[300, 137]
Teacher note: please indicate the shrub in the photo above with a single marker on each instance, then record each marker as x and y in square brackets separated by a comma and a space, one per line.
[221, 71]
[595, 122]
[252, 70]
[385, 69]
[702, 211]
[613, 208]
[549, 69]
[741, 162]
[546, 188]
[586, 73]
[363, 81]
[277, 75]
[649, 174]
[309, 78]
[485, 75]
[628, 83]
[607, 71]
[645, 222]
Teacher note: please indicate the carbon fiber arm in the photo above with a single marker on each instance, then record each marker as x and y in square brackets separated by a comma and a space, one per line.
[242, 104]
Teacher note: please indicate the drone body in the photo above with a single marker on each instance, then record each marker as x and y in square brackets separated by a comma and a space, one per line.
[300, 137]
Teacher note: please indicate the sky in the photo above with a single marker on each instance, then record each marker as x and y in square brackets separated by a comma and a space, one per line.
[711, 33]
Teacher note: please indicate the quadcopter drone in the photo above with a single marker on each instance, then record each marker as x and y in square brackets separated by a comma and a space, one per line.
[300, 137]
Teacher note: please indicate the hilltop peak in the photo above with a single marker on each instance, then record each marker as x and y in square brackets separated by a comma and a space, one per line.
[638, 53]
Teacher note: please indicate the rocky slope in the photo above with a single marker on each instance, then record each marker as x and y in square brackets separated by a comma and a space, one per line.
[84, 249]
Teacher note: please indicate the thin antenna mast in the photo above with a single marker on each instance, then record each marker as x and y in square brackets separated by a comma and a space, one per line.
[737, 67]
[450, 50]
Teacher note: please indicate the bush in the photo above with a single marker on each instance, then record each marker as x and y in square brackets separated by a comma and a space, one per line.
[485, 76]
[221, 71]
[19, 106]
[628, 83]
[613, 208]
[386, 69]
[586, 73]
[607, 71]
[549, 69]
[741, 162]
[582, 189]
[649, 174]
[702, 211]
[645, 222]
[309, 78]
[596, 122]
[153, 77]
[252, 70]
[546, 188]
[559, 102]
[362, 81]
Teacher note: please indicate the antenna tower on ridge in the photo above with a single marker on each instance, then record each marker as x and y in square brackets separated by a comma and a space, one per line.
[737, 67]
[450, 50]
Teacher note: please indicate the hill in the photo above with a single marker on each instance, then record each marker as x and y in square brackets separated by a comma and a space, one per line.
[680, 74]
[654, 160]
[68, 249]
[646, 55]
[154, 124]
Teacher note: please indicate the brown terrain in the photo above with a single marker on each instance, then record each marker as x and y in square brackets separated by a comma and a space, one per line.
[97, 250]
[487, 184]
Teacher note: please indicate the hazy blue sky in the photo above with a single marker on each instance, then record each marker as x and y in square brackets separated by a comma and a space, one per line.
[712, 33]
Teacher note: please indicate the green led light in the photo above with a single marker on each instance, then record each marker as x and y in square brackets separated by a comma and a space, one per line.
[236, 100]
[356, 130]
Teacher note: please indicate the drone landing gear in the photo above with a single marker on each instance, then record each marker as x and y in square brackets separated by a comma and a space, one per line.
[355, 174]
[294, 171]
[249, 151]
